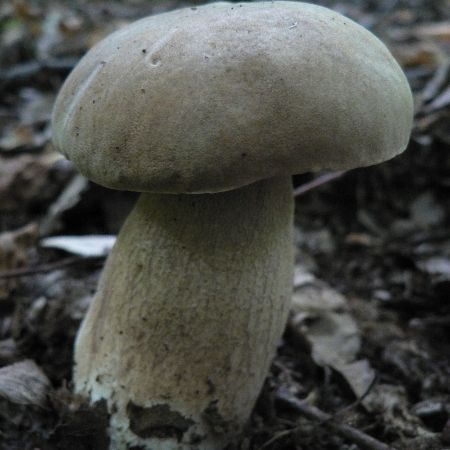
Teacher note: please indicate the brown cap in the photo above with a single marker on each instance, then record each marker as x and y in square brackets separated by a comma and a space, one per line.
[212, 98]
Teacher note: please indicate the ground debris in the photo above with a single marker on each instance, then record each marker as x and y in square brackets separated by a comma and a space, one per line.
[81, 426]
[24, 383]
[87, 246]
[15, 249]
[323, 317]
[373, 251]
[27, 180]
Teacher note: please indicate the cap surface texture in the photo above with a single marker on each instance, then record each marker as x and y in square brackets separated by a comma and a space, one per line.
[212, 98]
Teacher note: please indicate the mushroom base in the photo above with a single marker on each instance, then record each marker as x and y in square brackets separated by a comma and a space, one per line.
[189, 310]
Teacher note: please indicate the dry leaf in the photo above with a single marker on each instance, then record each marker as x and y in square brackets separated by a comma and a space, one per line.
[321, 314]
[436, 265]
[415, 54]
[22, 179]
[24, 383]
[14, 250]
[89, 246]
[438, 30]
[8, 351]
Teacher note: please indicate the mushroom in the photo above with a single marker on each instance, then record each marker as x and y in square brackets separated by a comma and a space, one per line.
[208, 111]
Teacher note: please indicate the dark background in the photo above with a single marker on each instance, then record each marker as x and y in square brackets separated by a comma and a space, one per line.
[372, 290]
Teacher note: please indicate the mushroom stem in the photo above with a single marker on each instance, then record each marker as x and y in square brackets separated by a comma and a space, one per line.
[189, 310]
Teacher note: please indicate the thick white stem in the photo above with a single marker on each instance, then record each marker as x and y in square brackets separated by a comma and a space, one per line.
[190, 307]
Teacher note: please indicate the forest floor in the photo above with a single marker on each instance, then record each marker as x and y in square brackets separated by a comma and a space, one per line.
[366, 352]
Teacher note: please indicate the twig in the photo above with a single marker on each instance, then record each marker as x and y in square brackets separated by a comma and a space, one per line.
[311, 412]
[322, 179]
[437, 81]
[44, 268]
[360, 399]
[31, 69]
[353, 405]
[277, 437]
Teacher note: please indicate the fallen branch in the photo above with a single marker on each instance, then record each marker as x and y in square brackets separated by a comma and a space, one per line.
[311, 412]
[44, 268]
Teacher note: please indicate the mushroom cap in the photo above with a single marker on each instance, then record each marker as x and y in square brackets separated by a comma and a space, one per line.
[211, 98]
